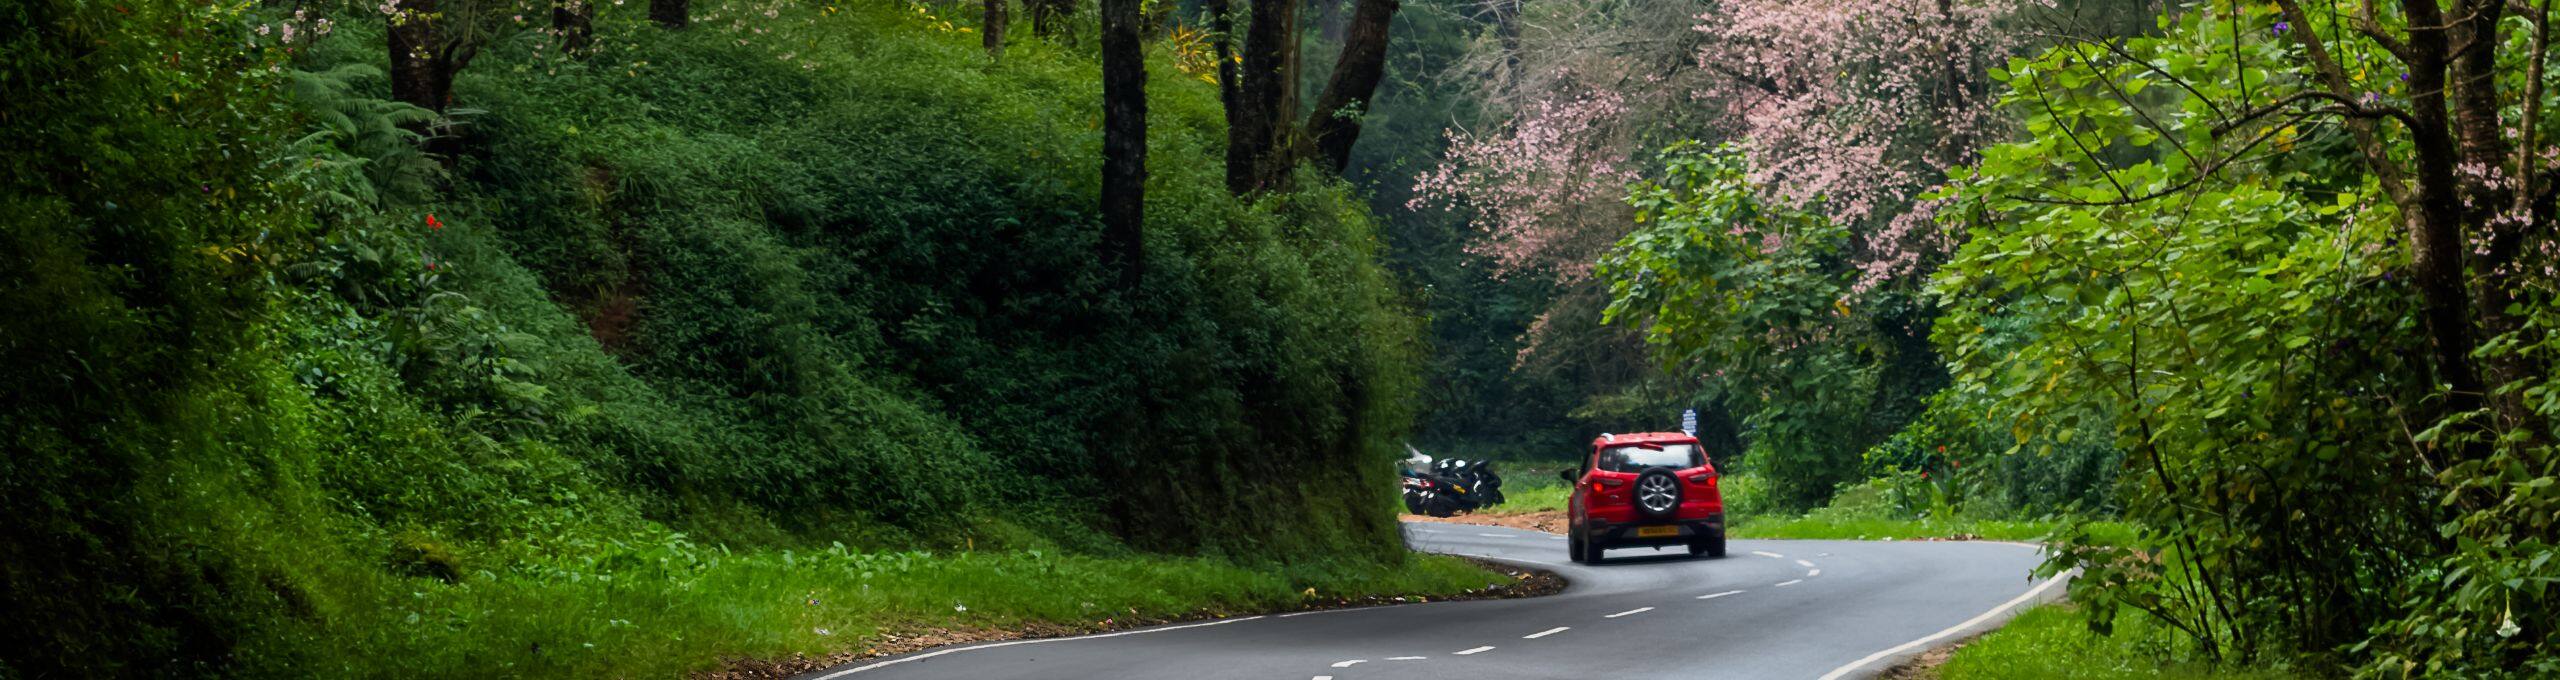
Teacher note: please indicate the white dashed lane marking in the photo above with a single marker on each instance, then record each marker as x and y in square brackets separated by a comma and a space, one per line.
[1767, 554]
[1638, 610]
[1814, 573]
[1789, 583]
[1407, 658]
[1347, 664]
[1011, 643]
[1547, 632]
[1485, 648]
[1711, 596]
[1802, 563]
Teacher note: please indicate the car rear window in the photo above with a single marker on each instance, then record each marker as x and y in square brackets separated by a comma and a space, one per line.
[1637, 458]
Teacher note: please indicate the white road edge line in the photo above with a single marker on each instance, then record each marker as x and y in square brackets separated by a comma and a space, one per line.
[1638, 610]
[1503, 558]
[1495, 535]
[1547, 632]
[1836, 673]
[1711, 596]
[1347, 664]
[1805, 564]
[1783, 584]
[1328, 611]
[1486, 648]
[1767, 554]
[1009, 643]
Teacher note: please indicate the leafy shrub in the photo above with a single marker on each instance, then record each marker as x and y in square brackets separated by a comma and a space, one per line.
[1755, 297]
[685, 332]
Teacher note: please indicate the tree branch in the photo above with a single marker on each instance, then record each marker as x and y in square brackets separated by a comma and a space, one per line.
[2367, 142]
[2346, 107]
[2371, 27]
[2180, 187]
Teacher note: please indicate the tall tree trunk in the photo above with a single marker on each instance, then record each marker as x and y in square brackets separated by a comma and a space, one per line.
[1331, 23]
[991, 28]
[2435, 220]
[1957, 148]
[1049, 17]
[2486, 200]
[575, 21]
[1222, 21]
[1335, 124]
[421, 72]
[1266, 98]
[671, 13]
[1124, 141]
[1506, 30]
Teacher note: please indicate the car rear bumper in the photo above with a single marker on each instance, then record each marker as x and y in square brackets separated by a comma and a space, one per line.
[1602, 532]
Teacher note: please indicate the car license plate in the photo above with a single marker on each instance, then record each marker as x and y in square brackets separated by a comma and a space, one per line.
[1656, 532]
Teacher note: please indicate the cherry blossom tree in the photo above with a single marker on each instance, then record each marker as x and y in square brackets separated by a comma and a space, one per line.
[1851, 109]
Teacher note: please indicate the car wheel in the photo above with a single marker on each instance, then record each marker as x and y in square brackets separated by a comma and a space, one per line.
[1711, 547]
[1657, 494]
[1573, 548]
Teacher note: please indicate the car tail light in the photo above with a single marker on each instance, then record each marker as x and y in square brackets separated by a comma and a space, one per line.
[1608, 482]
[1702, 478]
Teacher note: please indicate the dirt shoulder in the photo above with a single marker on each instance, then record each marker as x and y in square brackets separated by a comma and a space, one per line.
[1550, 521]
[1925, 665]
[1525, 583]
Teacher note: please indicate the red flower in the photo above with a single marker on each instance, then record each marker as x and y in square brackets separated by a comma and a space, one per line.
[432, 223]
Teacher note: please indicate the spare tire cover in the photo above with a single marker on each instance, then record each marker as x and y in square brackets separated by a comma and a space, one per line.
[1657, 493]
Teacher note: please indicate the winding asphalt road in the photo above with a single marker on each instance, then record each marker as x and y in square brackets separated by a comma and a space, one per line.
[1773, 609]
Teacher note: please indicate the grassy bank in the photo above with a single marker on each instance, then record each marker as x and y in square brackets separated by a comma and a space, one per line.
[668, 612]
[757, 338]
[2054, 642]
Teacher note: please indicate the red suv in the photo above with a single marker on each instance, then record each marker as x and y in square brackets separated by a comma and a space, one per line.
[1648, 489]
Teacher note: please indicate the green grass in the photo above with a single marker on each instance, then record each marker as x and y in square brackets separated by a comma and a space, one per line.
[1858, 529]
[1527, 490]
[673, 610]
[2054, 641]
[1866, 513]
[706, 343]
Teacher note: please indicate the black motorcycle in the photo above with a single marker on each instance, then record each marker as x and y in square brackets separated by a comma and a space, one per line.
[1451, 487]
[1434, 495]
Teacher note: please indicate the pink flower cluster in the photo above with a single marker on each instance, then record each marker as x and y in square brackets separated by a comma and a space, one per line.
[1556, 159]
[1852, 108]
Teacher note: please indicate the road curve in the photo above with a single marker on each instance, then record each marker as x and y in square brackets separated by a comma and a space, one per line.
[1816, 610]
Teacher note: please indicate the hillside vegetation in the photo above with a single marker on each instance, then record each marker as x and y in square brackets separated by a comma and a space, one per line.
[742, 340]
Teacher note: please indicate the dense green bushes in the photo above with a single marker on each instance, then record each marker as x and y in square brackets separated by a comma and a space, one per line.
[284, 394]
[1755, 298]
[2238, 301]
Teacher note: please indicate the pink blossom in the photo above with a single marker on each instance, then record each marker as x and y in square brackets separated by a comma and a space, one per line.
[1850, 108]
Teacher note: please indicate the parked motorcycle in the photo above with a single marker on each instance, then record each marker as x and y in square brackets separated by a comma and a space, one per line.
[1448, 487]
[1433, 495]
